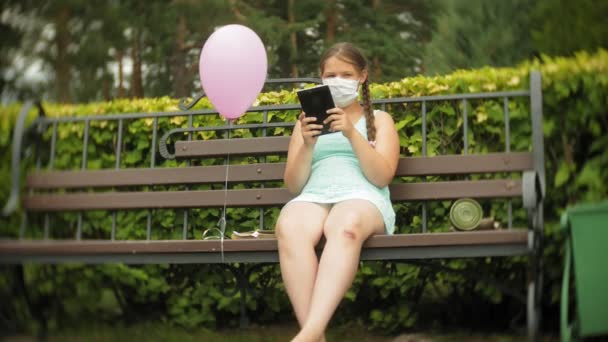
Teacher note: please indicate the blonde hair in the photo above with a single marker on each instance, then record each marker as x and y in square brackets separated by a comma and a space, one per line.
[352, 55]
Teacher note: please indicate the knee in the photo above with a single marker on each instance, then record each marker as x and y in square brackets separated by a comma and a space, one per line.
[349, 229]
[284, 231]
[285, 241]
[349, 234]
[291, 234]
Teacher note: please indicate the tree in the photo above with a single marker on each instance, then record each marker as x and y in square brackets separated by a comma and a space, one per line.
[87, 47]
[285, 28]
[61, 24]
[561, 27]
[11, 38]
[391, 33]
[174, 35]
[474, 33]
[296, 33]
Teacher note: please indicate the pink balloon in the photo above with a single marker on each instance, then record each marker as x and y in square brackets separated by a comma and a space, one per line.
[232, 68]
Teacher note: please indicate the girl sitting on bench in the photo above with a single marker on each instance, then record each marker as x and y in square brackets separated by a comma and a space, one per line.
[341, 181]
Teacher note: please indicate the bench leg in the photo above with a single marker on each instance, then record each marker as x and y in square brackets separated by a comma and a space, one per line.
[533, 314]
[243, 289]
[242, 273]
[535, 286]
[241, 277]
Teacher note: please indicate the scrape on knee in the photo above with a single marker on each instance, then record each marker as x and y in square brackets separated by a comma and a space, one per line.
[349, 234]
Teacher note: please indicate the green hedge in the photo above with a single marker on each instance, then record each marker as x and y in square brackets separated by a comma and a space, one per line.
[385, 296]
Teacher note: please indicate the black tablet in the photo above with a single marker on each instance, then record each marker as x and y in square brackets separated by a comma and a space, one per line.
[316, 101]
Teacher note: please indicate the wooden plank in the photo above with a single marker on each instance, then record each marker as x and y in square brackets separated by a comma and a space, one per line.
[409, 166]
[220, 147]
[494, 188]
[471, 238]
[157, 200]
[158, 176]
[98, 247]
[257, 197]
[465, 164]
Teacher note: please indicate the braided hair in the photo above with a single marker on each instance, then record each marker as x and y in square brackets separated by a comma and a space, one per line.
[351, 54]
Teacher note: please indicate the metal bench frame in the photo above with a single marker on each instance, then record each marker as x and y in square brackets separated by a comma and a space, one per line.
[399, 247]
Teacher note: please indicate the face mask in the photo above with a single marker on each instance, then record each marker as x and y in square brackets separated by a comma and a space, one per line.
[343, 91]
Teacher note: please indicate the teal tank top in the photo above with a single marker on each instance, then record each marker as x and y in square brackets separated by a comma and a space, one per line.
[336, 176]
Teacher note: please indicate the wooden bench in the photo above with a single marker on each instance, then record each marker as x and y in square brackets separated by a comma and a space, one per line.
[114, 190]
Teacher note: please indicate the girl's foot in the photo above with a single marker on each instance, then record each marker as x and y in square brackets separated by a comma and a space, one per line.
[305, 336]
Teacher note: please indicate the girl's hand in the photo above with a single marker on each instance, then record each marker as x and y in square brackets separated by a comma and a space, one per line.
[310, 130]
[339, 121]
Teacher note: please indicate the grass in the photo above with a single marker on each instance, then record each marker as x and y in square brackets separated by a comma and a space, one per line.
[272, 333]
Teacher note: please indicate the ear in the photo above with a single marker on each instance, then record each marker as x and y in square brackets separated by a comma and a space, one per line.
[363, 76]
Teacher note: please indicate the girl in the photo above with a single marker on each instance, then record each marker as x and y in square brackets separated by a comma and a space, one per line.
[341, 181]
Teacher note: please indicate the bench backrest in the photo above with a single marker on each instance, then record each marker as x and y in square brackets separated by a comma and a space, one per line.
[262, 172]
[121, 189]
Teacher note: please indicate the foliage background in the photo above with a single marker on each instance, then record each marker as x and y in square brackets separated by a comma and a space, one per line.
[75, 51]
[401, 296]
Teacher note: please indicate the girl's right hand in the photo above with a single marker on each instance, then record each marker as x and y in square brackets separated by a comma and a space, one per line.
[310, 130]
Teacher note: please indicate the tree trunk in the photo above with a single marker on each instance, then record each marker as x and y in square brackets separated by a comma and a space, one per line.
[121, 89]
[331, 20]
[137, 90]
[105, 88]
[293, 38]
[62, 65]
[178, 60]
[376, 69]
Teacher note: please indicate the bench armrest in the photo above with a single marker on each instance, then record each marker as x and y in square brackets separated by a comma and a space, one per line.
[18, 145]
[532, 198]
[531, 189]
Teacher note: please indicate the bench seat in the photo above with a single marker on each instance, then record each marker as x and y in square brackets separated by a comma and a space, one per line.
[379, 247]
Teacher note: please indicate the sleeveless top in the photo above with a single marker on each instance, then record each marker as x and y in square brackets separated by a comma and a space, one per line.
[336, 176]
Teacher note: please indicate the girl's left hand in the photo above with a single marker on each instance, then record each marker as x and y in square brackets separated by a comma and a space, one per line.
[339, 121]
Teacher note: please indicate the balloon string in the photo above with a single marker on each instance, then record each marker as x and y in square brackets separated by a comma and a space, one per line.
[223, 218]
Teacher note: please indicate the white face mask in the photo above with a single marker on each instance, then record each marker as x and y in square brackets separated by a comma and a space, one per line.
[343, 91]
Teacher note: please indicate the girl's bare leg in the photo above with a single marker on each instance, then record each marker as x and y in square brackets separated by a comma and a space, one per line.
[348, 225]
[299, 229]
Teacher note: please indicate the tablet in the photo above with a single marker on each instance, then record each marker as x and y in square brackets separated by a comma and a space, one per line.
[316, 101]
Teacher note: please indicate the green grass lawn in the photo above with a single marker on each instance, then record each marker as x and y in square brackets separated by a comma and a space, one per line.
[160, 332]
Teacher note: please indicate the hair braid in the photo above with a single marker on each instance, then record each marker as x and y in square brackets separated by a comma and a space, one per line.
[369, 115]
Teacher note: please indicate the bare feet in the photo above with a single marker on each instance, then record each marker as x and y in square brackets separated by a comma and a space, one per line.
[305, 336]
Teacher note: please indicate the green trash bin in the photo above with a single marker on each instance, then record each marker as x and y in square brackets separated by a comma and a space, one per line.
[586, 252]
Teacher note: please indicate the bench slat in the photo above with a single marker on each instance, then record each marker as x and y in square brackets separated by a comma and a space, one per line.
[159, 176]
[92, 247]
[220, 147]
[258, 197]
[409, 166]
[495, 188]
[161, 199]
[461, 164]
